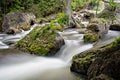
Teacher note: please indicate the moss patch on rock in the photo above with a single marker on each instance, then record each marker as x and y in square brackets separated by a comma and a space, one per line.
[97, 62]
[82, 64]
[25, 27]
[91, 37]
[107, 62]
[40, 40]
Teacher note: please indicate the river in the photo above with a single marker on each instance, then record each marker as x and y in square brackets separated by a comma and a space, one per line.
[17, 65]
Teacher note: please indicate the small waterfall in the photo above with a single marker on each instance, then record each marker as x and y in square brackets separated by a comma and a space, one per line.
[74, 44]
[6, 39]
[24, 67]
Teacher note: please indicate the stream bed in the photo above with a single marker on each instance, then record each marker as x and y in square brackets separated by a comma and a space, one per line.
[17, 65]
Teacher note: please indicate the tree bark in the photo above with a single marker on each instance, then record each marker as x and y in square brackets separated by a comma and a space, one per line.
[68, 10]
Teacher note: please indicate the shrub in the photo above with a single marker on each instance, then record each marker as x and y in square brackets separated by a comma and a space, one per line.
[116, 42]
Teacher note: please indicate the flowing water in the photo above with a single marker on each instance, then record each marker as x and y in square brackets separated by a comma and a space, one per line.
[17, 65]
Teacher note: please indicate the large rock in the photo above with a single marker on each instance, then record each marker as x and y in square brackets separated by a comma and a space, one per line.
[115, 27]
[17, 20]
[107, 63]
[116, 23]
[99, 63]
[96, 29]
[42, 40]
[90, 37]
[81, 62]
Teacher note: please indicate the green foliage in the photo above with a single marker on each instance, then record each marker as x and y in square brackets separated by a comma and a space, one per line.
[116, 42]
[62, 19]
[81, 3]
[91, 37]
[44, 7]
[40, 8]
[103, 21]
[108, 15]
[99, 6]
[78, 3]
[112, 4]
[39, 41]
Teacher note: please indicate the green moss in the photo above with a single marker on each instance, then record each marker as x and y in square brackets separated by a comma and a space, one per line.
[102, 21]
[25, 27]
[62, 19]
[87, 58]
[116, 42]
[91, 37]
[76, 4]
[40, 40]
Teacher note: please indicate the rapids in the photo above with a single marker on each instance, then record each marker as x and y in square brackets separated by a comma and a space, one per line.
[17, 65]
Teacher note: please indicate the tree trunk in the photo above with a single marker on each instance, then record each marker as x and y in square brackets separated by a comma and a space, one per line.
[68, 10]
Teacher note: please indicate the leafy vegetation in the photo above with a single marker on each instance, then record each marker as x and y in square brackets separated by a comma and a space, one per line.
[40, 8]
[113, 5]
[78, 4]
[116, 42]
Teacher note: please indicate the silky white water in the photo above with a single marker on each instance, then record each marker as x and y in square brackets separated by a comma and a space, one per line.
[16, 65]
[21, 66]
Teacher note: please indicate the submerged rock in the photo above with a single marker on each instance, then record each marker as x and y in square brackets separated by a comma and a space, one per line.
[42, 40]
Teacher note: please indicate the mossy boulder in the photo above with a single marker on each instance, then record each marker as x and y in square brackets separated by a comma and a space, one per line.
[42, 40]
[17, 20]
[107, 62]
[96, 29]
[99, 63]
[91, 37]
[82, 64]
